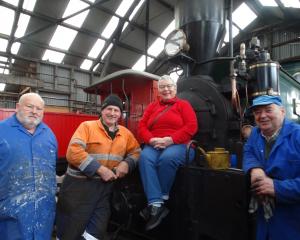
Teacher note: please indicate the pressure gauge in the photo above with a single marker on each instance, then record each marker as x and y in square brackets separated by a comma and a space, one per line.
[176, 42]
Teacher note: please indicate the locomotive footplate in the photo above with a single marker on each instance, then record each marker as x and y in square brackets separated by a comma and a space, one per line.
[205, 204]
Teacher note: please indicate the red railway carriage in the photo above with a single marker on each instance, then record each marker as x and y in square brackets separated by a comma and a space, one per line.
[62, 124]
[136, 89]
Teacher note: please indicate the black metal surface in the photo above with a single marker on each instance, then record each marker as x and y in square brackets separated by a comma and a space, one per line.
[264, 78]
[204, 204]
[203, 21]
[216, 119]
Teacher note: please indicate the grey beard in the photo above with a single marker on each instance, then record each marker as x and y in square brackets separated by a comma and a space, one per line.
[28, 123]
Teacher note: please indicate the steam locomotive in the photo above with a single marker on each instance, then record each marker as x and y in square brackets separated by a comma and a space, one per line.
[206, 204]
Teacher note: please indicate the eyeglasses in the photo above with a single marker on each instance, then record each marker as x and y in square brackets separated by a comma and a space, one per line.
[168, 86]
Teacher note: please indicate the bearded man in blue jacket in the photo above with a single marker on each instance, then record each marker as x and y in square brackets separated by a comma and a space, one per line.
[272, 158]
[28, 151]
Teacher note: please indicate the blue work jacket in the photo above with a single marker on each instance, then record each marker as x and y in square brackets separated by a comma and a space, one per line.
[283, 166]
[27, 181]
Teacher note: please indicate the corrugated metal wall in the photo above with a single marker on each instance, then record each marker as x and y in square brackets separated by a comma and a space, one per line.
[63, 87]
[288, 49]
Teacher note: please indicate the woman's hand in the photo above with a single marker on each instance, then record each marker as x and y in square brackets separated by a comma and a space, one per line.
[161, 143]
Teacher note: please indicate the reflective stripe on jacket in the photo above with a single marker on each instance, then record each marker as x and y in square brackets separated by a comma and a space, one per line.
[91, 146]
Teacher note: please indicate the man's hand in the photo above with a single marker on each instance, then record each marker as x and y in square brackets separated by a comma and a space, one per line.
[256, 173]
[264, 187]
[106, 174]
[122, 169]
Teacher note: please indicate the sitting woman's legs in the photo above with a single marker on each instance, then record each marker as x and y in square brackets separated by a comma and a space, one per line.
[148, 172]
[169, 161]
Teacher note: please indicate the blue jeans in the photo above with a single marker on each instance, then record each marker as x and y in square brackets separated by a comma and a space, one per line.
[158, 169]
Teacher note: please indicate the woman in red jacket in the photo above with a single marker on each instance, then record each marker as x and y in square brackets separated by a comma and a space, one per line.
[166, 127]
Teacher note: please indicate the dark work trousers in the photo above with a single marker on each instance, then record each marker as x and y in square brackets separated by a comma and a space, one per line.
[83, 206]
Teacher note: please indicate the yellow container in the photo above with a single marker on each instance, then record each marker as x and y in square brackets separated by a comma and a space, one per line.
[217, 159]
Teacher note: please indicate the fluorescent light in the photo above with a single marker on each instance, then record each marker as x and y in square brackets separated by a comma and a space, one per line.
[2, 87]
[243, 16]
[53, 56]
[268, 3]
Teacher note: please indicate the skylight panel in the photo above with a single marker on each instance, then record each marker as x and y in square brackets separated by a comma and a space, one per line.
[114, 21]
[133, 14]
[7, 17]
[235, 31]
[2, 87]
[107, 51]
[97, 48]
[13, 2]
[3, 59]
[86, 64]
[168, 29]
[29, 5]
[73, 7]
[95, 68]
[110, 27]
[3, 44]
[157, 47]
[140, 64]
[291, 3]
[63, 38]
[22, 25]
[15, 47]
[53, 56]
[4, 71]
[136, 9]
[268, 3]
[175, 74]
[243, 16]
[123, 7]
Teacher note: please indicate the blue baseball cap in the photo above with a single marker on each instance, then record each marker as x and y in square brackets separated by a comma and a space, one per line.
[266, 100]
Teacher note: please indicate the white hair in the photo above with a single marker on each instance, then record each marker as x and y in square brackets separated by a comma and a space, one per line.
[166, 77]
[26, 95]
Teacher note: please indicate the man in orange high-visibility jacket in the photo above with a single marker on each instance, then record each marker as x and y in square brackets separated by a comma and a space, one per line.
[100, 151]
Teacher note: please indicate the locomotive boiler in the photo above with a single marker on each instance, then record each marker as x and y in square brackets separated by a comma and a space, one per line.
[205, 204]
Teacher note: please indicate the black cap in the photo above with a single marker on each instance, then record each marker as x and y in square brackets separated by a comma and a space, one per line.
[112, 100]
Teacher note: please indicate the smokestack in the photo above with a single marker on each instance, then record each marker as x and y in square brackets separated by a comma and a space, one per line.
[203, 21]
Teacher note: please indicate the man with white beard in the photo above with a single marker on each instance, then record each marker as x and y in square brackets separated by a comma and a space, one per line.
[28, 152]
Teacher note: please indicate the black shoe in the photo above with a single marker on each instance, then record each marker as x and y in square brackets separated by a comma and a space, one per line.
[156, 216]
[145, 213]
